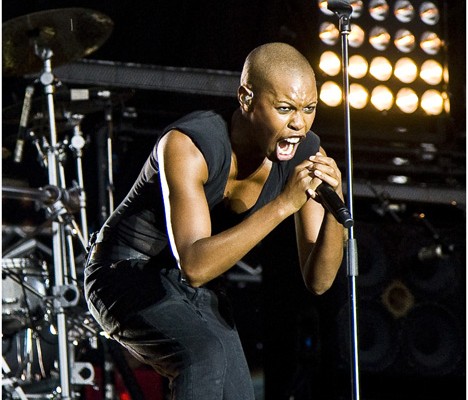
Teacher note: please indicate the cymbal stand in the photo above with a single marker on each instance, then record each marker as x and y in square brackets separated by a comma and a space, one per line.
[71, 229]
[77, 144]
[58, 229]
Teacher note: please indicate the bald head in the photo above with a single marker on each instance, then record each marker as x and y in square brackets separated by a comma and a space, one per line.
[266, 63]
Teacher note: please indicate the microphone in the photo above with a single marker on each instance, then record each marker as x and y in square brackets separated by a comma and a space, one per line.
[18, 153]
[340, 5]
[334, 204]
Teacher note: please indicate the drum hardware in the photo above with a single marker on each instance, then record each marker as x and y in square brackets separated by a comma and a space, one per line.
[29, 44]
[39, 144]
[59, 203]
[10, 381]
[23, 291]
[77, 143]
[27, 243]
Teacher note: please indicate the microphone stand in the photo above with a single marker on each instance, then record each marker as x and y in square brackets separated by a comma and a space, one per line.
[343, 10]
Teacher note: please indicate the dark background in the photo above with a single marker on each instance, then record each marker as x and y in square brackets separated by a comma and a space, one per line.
[298, 341]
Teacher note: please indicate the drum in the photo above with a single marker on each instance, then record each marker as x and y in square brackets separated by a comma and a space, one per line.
[31, 354]
[24, 285]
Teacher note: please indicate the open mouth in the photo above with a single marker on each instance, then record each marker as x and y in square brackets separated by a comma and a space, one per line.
[286, 148]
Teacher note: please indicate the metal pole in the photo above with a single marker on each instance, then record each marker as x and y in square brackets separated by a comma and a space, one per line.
[343, 9]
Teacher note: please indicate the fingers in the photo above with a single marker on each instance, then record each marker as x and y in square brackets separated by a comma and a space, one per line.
[324, 169]
[309, 174]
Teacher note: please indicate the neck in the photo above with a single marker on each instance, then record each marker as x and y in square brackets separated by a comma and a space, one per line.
[245, 151]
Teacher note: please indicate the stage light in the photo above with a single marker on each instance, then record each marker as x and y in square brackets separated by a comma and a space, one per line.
[358, 7]
[431, 72]
[381, 69]
[407, 100]
[382, 98]
[358, 96]
[432, 102]
[429, 13]
[357, 66]
[331, 94]
[430, 43]
[405, 40]
[329, 33]
[406, 70]
[404, 11]
[323, 6]
[330, 63]
[378, 9]
[379, 38]
[356, 36]
[397, 63]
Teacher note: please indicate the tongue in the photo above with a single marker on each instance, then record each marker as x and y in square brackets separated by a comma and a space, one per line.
[284, 150]
[283, 145]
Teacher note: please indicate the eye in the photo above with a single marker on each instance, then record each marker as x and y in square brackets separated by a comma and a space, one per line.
[283, 109]
[309, 109]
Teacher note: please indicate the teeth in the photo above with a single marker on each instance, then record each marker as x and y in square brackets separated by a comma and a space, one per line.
[292, 140]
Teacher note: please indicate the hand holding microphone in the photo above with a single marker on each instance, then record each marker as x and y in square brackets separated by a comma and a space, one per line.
[332, 202]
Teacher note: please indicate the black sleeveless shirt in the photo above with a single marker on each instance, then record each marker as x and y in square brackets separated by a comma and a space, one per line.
[137, 227]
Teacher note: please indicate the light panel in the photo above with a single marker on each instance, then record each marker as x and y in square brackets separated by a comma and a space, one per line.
[397, 57]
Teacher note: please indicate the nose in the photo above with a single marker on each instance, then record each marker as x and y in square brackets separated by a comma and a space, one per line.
[297, 121]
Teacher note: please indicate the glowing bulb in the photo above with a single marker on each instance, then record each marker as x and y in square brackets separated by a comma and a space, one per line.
[378, 9]
[381, 69]
[407, 100]
[404, 11]
[430, 43]
[357, 8]
[404, 40]
[431, 72]
[446, 74]
[382, 98]
[432, 102]
[429, 13]
[330, 94]
[328, 33]
[357, 66]
[379, 38]
[323, 5]
[446, 103]
[330, 63]
[356, 36]
[406, 70]
[358, 96]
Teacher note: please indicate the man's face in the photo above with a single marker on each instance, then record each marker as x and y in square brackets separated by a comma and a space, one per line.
[282, 115]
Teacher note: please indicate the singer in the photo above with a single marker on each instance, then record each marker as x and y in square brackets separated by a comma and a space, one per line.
[214, 185]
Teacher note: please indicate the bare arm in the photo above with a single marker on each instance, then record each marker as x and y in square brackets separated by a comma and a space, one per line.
[320, 238]
[202, 256]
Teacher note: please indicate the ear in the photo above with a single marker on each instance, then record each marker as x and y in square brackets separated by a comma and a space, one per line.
[245, 96]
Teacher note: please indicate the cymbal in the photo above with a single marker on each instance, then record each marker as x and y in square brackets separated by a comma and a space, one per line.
[70, 33]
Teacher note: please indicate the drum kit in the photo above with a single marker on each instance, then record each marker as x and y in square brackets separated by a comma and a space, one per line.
[43, 312]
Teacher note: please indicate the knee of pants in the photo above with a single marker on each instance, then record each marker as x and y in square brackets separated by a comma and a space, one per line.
[202, 372]
[208, 353]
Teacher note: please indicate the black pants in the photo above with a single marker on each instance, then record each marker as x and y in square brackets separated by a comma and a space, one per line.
[186, 334]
